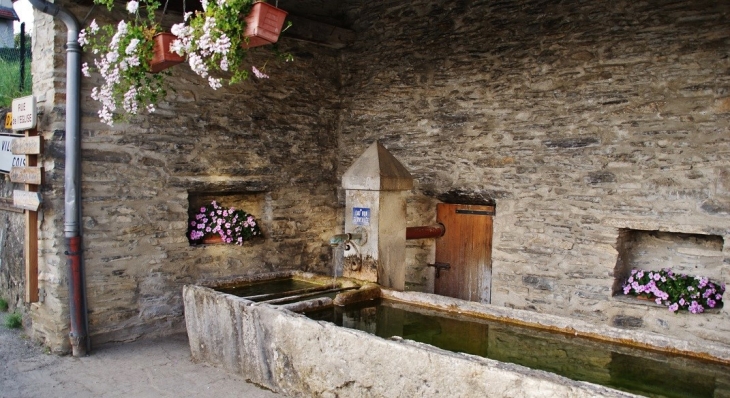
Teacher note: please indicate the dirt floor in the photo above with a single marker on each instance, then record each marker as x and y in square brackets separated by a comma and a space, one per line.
[146, 368]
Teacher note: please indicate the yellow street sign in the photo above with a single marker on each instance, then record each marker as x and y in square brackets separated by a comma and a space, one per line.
[9, 120]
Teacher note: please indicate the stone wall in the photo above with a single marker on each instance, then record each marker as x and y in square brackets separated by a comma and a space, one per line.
[270, 143]
[578, 119]
[46, 321]
[12, 229]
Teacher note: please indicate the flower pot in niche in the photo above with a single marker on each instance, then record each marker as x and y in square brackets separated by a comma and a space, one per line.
[163, 58]
[212, 239]
[263, 25]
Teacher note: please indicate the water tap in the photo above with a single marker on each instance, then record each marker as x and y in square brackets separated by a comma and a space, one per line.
[344, 238]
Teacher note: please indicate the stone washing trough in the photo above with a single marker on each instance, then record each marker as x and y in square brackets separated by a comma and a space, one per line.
[276, 348]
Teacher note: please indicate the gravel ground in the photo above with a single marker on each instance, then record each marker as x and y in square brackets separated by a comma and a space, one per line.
[145, 368]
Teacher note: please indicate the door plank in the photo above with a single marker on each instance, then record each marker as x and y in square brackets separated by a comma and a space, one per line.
[467, 247]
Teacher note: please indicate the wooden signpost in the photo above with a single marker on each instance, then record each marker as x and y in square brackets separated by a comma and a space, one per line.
[26, 200]
[28, 145]
[24, 117]
[26, 175]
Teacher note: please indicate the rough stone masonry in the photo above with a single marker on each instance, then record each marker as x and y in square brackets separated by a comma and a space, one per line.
[581, 121]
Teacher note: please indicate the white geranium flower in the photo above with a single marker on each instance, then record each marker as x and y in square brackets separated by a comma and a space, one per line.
[132, 7]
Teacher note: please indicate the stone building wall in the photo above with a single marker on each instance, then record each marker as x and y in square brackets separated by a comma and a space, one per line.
[50, 316]
[580, 120]
[12, 229]
[47, 321]
[267, 144]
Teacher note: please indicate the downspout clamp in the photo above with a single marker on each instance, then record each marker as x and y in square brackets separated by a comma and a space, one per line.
[72, 201]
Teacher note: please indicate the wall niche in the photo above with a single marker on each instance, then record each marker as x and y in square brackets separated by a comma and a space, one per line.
[691, 254]
[252, 203]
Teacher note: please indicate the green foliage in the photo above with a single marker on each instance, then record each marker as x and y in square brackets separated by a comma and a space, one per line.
[108, 3]
[228, 21]
[214, 40]
[28, 41]
[10, 79]
[677, 291]
[233, 225]
[13, 321]
[3, 304]
[123, 53]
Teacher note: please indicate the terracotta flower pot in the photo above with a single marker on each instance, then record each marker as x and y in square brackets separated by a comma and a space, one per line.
[263, 25]
[163, 57]
[212, 239]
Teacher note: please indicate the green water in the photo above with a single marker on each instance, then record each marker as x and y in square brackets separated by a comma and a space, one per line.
[629, 369]
[267, 287]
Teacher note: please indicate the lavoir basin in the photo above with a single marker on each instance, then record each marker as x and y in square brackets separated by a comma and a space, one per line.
[406, 344]
[624, 368]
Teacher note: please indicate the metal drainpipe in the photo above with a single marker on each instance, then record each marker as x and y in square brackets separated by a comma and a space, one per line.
[72, 201]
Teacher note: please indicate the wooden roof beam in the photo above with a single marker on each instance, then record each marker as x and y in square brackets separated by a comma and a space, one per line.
[319, 33]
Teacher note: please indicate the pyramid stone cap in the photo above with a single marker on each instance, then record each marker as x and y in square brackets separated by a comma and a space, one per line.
[377, 170]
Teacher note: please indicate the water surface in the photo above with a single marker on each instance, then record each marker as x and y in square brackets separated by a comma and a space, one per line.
[624, 368]
[267, 287]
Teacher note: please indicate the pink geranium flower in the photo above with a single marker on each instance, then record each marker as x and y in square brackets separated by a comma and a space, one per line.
[234, 226]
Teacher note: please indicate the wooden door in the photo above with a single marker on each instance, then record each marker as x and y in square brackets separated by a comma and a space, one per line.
[467, 247]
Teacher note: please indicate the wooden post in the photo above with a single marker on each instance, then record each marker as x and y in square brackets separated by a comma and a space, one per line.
[25, 118]
[31, 235]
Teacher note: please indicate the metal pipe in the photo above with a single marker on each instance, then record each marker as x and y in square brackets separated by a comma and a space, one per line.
[424, 232]
[72, 177]
[344, 238]
[76, 303]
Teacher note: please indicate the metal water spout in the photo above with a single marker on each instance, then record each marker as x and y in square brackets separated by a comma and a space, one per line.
[345, 238]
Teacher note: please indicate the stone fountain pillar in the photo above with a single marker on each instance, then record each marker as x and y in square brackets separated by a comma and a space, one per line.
[376, 187]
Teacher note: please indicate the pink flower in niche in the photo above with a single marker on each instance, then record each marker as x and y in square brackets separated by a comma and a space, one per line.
[229, 223]
[258, 73]
[677, 291]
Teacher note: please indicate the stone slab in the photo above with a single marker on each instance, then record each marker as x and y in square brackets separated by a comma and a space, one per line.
[321, 359]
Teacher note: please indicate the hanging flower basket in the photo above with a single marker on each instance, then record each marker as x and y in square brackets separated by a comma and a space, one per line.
[218, 38]
[125, 55]
[263, 25]
[163, 57]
